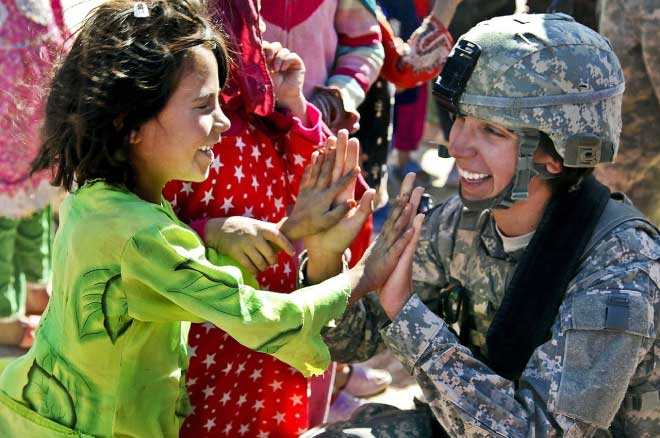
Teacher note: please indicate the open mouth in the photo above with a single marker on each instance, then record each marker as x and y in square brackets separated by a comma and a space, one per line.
[472, 176]
[206, 150]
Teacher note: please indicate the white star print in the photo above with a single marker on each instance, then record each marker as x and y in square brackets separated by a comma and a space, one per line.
[227, 205]
[248, 212]
[240, 144]
[296, 399]
[255, 183]
[238, 173]
[262, 434]
[217, 164]
[279, 417]
[208, 196]
[208, 326]
[192, 381]
[298, 160]
[210, 424]
[209, 360]
[242, 399]
[269, 163]
[186, 187]
[259, 404]
[240, 368]
[255, 374]
[275, 384]
[173, 203]
[228, 368]
[255, 152]
[227, 429]
[243, 429]
[208, 391]
[225, 398]
[269, 192]
[192, 351]
[287, 268]
[278, 204]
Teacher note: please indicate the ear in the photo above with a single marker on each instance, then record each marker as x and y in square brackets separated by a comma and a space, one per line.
[554, 166]
[135, 137]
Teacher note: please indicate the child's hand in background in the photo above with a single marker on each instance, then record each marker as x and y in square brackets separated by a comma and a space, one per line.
[287, 72]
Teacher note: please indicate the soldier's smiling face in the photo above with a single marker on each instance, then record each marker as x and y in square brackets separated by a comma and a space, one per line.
[486, 155]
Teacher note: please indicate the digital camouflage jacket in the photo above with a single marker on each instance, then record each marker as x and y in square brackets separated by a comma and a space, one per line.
[590, 379]
[109, 357]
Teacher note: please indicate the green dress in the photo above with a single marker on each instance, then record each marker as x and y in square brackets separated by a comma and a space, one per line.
[109, 358]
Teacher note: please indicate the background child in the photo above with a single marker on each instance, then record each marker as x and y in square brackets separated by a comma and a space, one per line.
[134, 105]
[29, 38]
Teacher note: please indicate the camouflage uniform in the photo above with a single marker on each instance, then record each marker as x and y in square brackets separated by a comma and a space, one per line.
[584, 380]
[592, 377]
[633, 28]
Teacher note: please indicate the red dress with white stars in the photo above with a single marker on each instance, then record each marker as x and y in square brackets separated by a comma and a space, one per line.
[235, 391]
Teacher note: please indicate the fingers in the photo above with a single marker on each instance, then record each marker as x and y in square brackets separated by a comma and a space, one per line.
[307, 174]
[270, 50]
[342, 140]
[399, 203]
[318, 157]
[336, 214]
[326, 169]
[363, 210]
[245, 262]
[415, 199]
[342, 184]
[279, 240]
[407, 183]
[352, 154]
[258, 260]
[409, 251]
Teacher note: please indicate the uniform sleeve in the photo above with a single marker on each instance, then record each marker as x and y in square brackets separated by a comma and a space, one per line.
[575, 383]
[360, 53]
[166, 276]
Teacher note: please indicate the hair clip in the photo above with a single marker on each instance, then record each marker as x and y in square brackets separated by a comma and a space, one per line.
[140, 10]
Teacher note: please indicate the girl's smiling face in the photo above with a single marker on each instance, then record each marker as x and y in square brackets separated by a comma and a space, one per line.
[176, 144]
[486, 156]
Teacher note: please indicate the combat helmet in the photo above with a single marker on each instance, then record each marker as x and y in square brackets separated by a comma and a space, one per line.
[535, 73]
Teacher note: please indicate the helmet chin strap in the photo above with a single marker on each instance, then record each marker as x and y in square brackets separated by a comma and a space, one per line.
[517, 189]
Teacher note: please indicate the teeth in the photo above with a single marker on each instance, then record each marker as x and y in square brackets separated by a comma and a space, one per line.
[470, 176]
[205, 148]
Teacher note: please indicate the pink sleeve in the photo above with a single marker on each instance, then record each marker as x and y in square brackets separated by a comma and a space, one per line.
[200, 227]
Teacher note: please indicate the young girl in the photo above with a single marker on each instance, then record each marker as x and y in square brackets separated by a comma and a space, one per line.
[252, 183]
[134, 105]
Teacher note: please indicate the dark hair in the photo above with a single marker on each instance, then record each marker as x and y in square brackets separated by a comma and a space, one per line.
[569, 176]
[120, 72]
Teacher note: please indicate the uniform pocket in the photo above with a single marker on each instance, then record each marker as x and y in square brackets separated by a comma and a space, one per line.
[603, 333]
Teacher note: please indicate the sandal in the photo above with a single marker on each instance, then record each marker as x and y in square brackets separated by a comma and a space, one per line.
[366, 382]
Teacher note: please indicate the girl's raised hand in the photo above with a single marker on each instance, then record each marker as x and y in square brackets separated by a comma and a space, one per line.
[397, 238]
[252, 243]
[338, 237]
[315, 209]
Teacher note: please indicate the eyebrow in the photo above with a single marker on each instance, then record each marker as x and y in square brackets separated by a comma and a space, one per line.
[202, 97]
